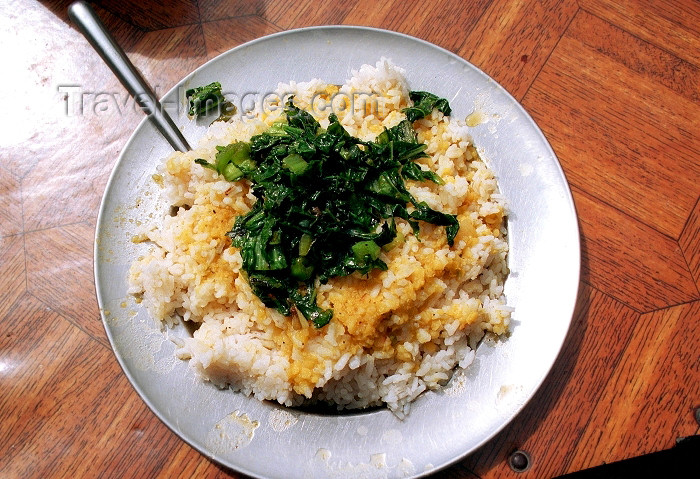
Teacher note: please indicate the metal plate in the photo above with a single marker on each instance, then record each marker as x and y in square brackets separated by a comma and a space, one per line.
[263, 439]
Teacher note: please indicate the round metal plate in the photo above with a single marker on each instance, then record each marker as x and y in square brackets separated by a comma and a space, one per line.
[263, 439]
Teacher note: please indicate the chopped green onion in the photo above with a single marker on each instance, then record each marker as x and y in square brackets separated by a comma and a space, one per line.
[300, 270]
[398, 240]
[295, 163]
[305, 243]
[277, 129]
[231, 172]
[364, 250]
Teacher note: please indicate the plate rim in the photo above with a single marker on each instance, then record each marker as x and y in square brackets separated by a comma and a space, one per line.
[102, 215]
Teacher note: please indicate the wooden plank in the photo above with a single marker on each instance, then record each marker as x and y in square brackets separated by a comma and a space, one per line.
[669, 24]
[13, 276]
[185, 462]
[154, 15]
[212, 10]
[72, 190]
[10, 201]
[220, 36]
[308, 12]
[387, 15]
[619, 134]
[61, 394]
[40, 126]
[652, 394]
[59, 273]
[629, 260]
[639, 56]
[62, 157]
[141, 445]
[513, 40]
[690, 243]
[549, 426]
[443, 23]
[166, 57]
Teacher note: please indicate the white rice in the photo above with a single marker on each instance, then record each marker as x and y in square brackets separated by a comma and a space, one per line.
[394, 333]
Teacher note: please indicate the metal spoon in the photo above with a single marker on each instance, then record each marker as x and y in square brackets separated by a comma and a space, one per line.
[85, 18]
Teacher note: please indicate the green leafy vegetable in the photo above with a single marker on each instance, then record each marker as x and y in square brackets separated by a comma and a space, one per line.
[232, 161]
[424, 103]
[327, 205]
[205, 99]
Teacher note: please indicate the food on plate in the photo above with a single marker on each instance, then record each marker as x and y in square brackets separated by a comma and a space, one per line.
[341, 244]
[326, 203]
[205, 99]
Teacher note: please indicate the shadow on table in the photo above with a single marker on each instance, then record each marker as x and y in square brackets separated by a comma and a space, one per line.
[129, 22]
[147, 15]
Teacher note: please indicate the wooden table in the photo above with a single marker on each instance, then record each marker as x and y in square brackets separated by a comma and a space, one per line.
[615, 86]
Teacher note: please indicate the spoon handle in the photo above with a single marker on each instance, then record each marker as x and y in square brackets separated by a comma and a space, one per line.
[85, 18]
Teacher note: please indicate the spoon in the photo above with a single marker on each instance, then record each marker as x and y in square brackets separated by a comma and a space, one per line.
[87, 21]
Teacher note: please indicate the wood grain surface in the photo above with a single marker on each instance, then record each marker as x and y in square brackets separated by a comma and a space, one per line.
[615, 87]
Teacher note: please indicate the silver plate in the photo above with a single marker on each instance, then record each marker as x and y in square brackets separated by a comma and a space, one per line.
[262, 439]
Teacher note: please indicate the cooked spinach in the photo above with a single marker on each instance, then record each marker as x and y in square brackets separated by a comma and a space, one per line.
[424, 103]
[327, 204]
[205, 99]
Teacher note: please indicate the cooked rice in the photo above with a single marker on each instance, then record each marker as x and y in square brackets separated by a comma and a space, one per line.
[394, 333]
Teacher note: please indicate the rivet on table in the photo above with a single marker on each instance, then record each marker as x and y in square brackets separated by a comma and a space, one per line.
[519, 461]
